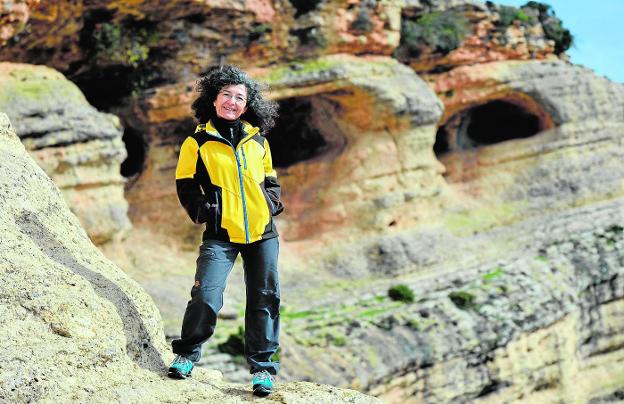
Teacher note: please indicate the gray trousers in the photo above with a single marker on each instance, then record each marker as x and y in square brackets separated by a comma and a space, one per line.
[215, 262]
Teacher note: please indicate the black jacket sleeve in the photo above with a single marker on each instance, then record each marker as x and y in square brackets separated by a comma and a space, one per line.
[274, 191]
[193, 200]
[189, 191]
[271, 186]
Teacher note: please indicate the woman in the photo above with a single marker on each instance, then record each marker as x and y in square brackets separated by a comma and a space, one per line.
[225, 179]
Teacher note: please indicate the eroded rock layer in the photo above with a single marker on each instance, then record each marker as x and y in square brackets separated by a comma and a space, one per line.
[77, 146]
[536, 323]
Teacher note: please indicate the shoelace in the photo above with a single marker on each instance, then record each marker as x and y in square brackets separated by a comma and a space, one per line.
[262, 377]
[181, 360]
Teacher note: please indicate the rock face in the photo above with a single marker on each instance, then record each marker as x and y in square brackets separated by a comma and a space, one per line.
[75, 327]
[375, 119]
[483, 172]
[77, 146]
[541, 322]
[14, 15]
[547, 116]
[86, 34]
[478, 33]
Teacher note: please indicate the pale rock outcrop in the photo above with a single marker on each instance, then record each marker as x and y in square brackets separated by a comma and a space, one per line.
[572, 160]
[378, 119]
[74, 326]
[540, 322]
[80, 148]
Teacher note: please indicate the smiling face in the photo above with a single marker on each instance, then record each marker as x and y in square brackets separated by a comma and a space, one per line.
[231, 102]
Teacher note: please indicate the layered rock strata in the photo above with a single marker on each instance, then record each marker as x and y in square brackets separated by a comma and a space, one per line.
[78, 147]
[185, 37]
[498, 201]
[541, 323]
[569, 153]
[75, 327]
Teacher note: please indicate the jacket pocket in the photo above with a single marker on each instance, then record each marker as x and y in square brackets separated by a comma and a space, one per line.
[210, 211]
[270, 204]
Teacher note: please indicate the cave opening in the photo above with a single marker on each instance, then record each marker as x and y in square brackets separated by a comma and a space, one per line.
[105, 88]
[304, 6]
[136, 147]
[304, 130]
[493, 122]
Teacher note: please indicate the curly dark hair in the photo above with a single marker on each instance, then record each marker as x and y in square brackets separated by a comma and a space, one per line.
[260, 111]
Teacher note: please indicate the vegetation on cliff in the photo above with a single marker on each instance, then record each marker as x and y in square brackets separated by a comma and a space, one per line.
[123, 44]
[534, 12]
[438, 31]
[553, 26]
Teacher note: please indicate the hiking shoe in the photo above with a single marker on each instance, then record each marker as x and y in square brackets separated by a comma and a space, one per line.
[262, 383]
[180, 368]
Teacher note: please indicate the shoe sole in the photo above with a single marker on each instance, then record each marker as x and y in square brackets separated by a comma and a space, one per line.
[175, 374]
[262, 391]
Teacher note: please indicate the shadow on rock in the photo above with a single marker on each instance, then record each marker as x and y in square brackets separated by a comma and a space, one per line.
[139, 342]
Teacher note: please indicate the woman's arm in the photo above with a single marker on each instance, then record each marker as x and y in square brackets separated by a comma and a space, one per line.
[188, 188]
[271, 186]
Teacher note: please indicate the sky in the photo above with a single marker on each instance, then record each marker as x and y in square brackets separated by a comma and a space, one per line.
[598, 30]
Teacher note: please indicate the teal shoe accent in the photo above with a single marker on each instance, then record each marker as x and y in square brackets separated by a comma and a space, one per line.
[262, 383]
[180, 368]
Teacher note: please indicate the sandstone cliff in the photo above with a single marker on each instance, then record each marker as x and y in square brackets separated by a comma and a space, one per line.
[75, 327]
[77, 146]
[480, 169]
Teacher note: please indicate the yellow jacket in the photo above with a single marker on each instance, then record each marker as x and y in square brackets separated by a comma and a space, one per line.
[234, 191]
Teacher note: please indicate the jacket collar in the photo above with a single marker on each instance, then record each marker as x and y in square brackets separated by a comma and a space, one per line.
[248, 128]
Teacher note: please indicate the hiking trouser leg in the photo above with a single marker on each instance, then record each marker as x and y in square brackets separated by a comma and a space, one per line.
[263, 302]
[214, 264]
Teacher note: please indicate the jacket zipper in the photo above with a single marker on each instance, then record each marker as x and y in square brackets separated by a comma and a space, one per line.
[242, 189]
[244, 158]
[216, 214]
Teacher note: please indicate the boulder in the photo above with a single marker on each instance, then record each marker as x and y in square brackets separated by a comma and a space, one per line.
[80, 148]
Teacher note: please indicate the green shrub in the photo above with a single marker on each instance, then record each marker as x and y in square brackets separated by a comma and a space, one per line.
[541, 7]
[490, 276]
[362, 22]
[259, 31]
[440, 31]
[462, 299]
[552, 25]
[339, 340]
[555, 31]
[509, 14]
[123, 45]
[235, 344]
[277, 355]
[401, 293]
